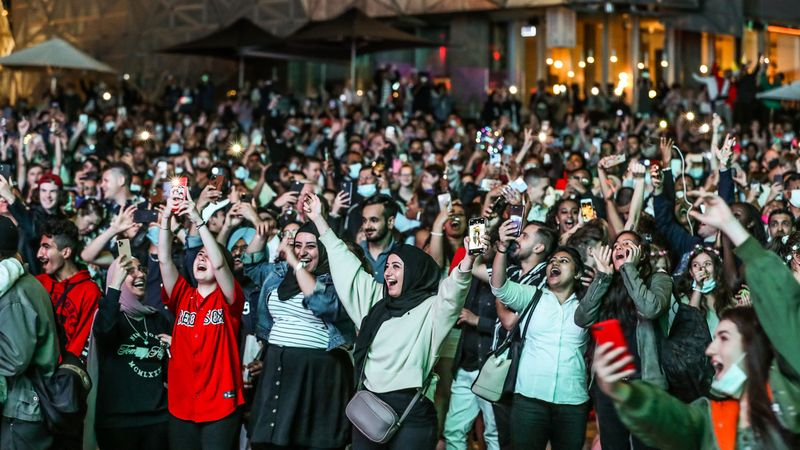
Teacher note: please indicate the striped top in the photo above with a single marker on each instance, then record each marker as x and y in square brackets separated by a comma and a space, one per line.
[295, 325]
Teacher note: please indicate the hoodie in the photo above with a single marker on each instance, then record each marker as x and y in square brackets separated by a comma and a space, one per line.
[75, 301]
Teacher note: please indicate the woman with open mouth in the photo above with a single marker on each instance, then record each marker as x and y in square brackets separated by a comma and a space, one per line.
[755, 390]
[627, 288]
[307, 332]
[205, 372]
[402, 324]
[551, 401]
[128, 365]
[704, 286]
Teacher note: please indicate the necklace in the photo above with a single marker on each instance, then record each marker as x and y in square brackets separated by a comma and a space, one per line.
[136, 332]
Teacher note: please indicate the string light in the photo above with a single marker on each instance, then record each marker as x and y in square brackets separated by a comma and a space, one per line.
[690, 116]
[558, 64]
[571, 74]
[590, 60]
[652, 93]
[662, 124]
[489, 140]
[703, 69]
[595, 90]
[582, 64]
[549, 61]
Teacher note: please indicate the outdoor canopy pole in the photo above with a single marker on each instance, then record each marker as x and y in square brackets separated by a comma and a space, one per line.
[353, 63]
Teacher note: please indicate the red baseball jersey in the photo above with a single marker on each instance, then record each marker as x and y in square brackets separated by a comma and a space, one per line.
[205, 372]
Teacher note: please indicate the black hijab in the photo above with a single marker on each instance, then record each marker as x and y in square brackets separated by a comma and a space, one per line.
[289, 287]
[420, 281]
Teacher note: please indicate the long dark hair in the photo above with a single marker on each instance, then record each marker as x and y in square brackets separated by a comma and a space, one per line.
[758, 359]
[577, 286]
[723, 299]
[618, 304]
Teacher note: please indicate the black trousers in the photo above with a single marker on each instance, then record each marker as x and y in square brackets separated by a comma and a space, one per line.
[23, 435]
[613, 433]
[217, 435]
[148, 437]
[418, 432]
[502, 419]
[535, 422]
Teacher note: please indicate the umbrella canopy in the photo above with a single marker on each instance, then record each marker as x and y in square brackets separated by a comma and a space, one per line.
[789, 92]
[231, 41]
[354, 27]
[55, 53]
[361, 33]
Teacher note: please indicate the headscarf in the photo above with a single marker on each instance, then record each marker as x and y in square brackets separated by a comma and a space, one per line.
[289, 287]
[246, 233]
[420, 281]
[129, 303]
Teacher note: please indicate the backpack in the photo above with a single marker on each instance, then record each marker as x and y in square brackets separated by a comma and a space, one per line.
[62, 397]
[682, 352]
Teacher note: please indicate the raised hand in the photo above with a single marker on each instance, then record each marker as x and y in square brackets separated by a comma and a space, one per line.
[342, 201]
[725, 153]
[124, 220]
[602, 258]
[124, 266]
[665, 147]
[313, 207]
[609, 368]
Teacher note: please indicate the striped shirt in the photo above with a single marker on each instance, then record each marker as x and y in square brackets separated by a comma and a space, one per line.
[294, 325]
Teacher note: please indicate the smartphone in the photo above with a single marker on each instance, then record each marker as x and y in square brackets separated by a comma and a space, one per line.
[124, 247]
[495, 159]
[755, 187]
[5, 171]
[122, 112]
[347, 186]
[444, 201]
[258, 137]
[296, 187]
[457, 146]
[83, 119]
[247, 198]
[588, 212]
[378, 167]
[218, 181]
[777, 178]
[145, 216]
[477, 230]
[611, 331]
[616, 160]
[487, 184]
[515, 215]
[597, 143]
[162, 170]
[390, 134]
[178, 191]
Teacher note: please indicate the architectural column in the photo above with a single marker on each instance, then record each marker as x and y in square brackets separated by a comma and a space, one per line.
[606, 54]
[635, 57]
[468, 62]
[516, 55]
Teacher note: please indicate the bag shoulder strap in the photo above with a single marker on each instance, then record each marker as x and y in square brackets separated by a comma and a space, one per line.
[416, 398]
[524, 317]
[531, 307]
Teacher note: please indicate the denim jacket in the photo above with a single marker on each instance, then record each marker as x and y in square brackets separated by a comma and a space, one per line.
[323, 303]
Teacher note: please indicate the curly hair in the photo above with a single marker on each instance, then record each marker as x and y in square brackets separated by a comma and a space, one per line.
[65, 234]
[723, 299]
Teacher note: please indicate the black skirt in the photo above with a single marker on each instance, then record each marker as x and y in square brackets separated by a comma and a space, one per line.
[301, 397]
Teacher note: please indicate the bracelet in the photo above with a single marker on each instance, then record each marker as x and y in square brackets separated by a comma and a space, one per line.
[433, 233]
[500, 251]
[200, 225]
[299, 265]
[164, 228]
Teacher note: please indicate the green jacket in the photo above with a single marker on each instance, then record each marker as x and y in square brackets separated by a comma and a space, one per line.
[651, 297]
[655, 417]
[28, 341]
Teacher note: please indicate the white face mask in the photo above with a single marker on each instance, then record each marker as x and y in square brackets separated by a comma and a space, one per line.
[732, 382]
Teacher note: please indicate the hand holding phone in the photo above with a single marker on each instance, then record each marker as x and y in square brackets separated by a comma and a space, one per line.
[515, 216]
[178, 192]
[124, 247]
[611, 331]
[477, 230]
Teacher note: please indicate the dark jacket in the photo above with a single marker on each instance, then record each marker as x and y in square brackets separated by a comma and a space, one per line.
[30, 221]
[476, 342]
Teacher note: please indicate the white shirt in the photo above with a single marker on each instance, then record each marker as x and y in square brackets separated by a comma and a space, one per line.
[552, 367]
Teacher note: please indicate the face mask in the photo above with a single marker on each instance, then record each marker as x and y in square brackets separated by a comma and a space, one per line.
[135, 188]
[128, 133]
[366, 190]
[744, 142]
[675, 165]
[109, 126]
[187, 121]
[695, 172]
[355, 169]
[91, 129]
[708, 286]
[241, 173]
[152, 235]
[732, 383]
[178, 170]
[403, 223]
[293, 167]
[744, 158]
[549, 197]
[628, 182]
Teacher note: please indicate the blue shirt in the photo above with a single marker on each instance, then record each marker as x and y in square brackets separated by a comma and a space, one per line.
[378, 264]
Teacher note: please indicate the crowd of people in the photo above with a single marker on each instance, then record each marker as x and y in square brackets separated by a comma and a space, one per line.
[231, 273]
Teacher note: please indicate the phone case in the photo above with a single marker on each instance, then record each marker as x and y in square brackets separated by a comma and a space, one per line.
[611, 331]
[476, 231]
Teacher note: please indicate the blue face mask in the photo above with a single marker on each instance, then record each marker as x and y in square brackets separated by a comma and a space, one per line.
[355, 169]
[128, 133]
[366, 190]
[293, 167]
[403, 223]
[152, 235]
[675, 165]
[708, 286]
[241, 173]
[695, 172]
[109, 126]
[732, 382]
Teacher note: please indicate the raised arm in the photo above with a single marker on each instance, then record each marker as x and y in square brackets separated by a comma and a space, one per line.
[169, 272]
[121, 223]
[637, 202]
[588, 312]
[356, 287]
[651, 298]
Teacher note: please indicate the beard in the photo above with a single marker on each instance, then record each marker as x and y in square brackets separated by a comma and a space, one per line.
[378, 235]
